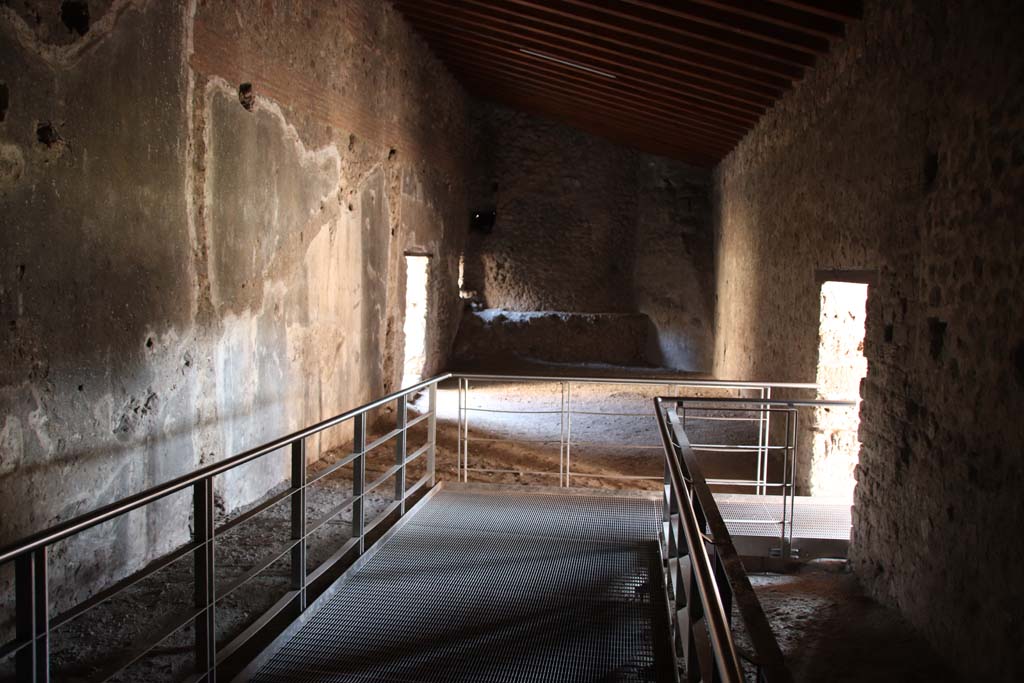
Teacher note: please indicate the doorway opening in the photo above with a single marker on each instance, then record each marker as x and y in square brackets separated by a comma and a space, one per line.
[841, 367]
[417, 269]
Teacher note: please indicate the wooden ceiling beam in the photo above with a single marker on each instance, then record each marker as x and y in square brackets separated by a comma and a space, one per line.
[627, 93]
[843, 10]
[729, 28]
[780, 15]
[709, 40]
[693, 67]
[454, 30]
[561, 24]
[614, 51]
[585, 92]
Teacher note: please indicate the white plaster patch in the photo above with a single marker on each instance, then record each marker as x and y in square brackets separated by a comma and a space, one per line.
[12, 444]
[38, 422]
[12, 165]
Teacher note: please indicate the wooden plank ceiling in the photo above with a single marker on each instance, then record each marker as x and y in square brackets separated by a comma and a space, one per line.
[684, 79]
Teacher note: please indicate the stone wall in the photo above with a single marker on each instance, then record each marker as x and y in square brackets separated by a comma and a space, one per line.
[587, 226]
[190, 267]
[903, 153]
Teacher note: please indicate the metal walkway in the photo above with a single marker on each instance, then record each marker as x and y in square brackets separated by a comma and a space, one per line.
[497, 586]
[821, 526]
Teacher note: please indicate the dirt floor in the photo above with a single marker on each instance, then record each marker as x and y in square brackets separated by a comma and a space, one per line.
[830, 631]
[827, 628]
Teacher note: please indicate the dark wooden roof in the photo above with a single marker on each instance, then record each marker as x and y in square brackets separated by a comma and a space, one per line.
[685, 79]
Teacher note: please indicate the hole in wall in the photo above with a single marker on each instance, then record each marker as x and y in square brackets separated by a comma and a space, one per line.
[936, 337]
[417, 270]
[931, 168]
[1018, 362]
[46, 133]
[841, 368]
[5, 99]
[74, 14]
[247, 96]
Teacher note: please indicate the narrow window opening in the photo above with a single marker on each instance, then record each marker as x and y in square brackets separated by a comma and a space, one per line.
[841, 367]
[417, 269]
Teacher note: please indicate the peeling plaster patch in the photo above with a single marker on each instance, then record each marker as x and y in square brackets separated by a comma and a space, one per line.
[38, 422]
[12, 444]
[64, 56]
[12, 165]
[253, 204]
[133, 413]
[247, 360]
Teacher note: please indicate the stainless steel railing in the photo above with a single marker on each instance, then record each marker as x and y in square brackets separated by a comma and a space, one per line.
[33, 616]
[705, 576]
[781, 453]
[567, 408]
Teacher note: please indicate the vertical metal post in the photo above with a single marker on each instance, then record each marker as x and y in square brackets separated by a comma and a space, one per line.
[298, 503]
[561, 439]
[760, 447]
[432, 434]
[767, 439]
[786, 489]
[458, 439]
[205, 580]
[465, 433]
[793, 441]
[568, 432]
[401, 443]
[32, 617]
[359, 480]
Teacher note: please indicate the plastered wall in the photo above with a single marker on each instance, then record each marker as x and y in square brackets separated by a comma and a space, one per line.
[903, 153]
[186, 273]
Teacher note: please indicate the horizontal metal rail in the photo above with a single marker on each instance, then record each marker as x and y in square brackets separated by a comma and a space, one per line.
[570, 413]
[33, 620]
[709, 383]
[78, 524]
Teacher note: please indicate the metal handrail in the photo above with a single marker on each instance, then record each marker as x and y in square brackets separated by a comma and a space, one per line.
[726, 660]
[59, 532]
[33, 621]
[567, 412]
[691, 508]
[715, 383]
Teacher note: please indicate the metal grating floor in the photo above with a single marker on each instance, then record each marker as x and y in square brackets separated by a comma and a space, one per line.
[497, 586]
[750, 515]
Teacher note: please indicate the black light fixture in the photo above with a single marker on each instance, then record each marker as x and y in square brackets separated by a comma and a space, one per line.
[483, 221]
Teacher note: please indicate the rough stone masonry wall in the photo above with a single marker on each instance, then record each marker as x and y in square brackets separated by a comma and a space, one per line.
[187, 271]
[587, 226]
[903, 152]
